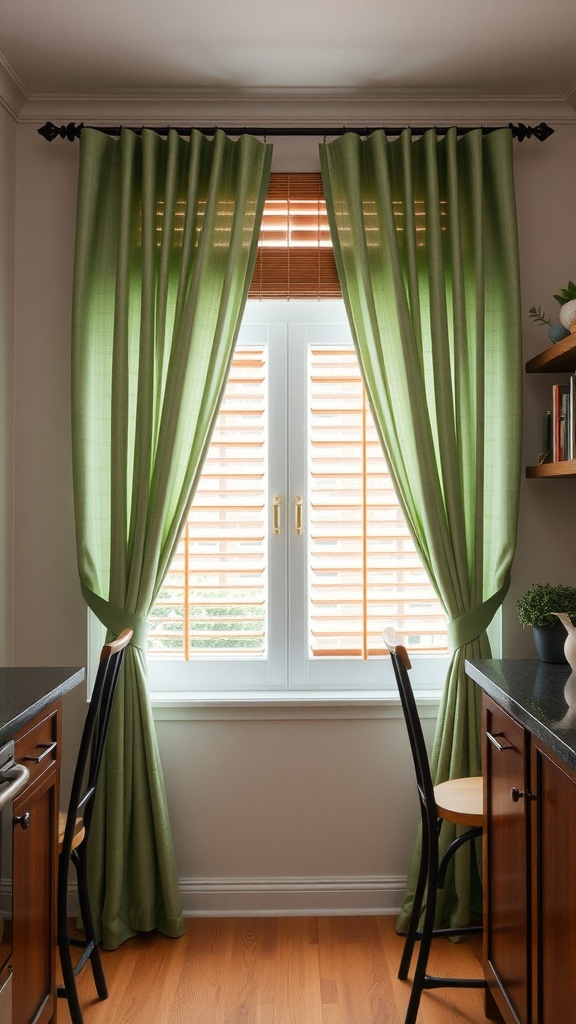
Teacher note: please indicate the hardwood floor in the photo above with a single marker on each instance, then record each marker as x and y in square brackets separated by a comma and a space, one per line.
[305, 970]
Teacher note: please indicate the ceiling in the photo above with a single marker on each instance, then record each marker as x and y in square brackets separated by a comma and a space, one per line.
[413, 47]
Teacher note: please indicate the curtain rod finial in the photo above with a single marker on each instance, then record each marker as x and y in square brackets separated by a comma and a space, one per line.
[68, 131]
[541, 132]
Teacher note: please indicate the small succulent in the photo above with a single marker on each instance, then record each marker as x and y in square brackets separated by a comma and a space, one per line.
[566, 294]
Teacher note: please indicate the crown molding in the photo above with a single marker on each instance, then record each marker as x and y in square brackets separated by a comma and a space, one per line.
[13, 95]
[570, 96]
[290, 108]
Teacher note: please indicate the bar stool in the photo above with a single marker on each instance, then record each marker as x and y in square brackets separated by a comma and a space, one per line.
[459, 801]
[75, 828]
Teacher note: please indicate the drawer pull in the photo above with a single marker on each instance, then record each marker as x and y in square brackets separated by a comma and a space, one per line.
[499, 746]
[46, 749]
[518, 794]
[23, 820]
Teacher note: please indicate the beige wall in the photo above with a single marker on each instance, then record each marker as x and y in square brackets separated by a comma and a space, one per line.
[7, 264]
[269, 811]
[546, 550]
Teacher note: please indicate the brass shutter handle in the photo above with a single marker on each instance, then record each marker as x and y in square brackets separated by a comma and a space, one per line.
[276, 515]
[298, 516]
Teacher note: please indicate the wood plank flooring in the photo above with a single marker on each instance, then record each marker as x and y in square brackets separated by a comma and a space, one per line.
[304, 970]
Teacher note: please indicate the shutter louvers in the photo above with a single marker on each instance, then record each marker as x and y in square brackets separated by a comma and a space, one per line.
[212, 602]
[295, 259]
[364, 572]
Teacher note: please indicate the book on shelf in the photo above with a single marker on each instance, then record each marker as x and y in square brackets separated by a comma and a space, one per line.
[572, 418]
[560, 424]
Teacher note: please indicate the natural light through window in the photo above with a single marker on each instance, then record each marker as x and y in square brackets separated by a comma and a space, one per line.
[295, 553]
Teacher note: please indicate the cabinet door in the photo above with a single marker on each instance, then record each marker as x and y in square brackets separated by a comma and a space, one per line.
[554, 892]
[506, 864]
[35, 855]
[34, 904]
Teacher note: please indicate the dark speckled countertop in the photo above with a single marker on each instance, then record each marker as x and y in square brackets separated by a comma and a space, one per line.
[541, 697]
[25, 692]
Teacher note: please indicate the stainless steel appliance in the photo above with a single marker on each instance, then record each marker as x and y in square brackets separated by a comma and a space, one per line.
[13, 777]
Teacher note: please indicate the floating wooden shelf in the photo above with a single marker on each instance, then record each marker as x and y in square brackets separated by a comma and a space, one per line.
[559, 358]
[549, 469]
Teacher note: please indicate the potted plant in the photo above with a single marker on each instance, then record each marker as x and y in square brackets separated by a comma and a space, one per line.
[567, 300]
[567, 316]
[536, 609]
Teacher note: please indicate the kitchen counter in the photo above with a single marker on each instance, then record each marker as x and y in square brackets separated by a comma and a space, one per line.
[541, 697]
[25, 692]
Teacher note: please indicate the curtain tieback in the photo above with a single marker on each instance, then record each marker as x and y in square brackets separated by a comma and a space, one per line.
[471, 625]
[116, 619]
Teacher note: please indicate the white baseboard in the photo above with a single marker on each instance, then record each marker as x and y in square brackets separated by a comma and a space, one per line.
[285, 897]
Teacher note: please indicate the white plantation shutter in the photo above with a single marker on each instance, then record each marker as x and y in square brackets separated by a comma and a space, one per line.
[213, 600]
[363, 568]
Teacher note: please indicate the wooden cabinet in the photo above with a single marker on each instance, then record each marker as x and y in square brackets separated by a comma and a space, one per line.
[559, 358]
[34, 884]
[553, 888]
[506, 848]
[529, 875]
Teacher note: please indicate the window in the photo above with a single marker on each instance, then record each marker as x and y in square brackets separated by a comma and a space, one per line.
[295, 554]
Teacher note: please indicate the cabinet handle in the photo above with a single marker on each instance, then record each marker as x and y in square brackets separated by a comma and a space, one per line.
[517, 795]
[46, 749]
[23, 820]
[499, 746]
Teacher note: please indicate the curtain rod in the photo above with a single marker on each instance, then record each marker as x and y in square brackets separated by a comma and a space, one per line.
[72, 131]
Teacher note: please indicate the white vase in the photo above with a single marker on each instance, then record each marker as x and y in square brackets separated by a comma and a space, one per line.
[570, 642]
[567, 314]
[569, 720]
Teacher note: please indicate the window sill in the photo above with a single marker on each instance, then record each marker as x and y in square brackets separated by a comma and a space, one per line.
[288, 704]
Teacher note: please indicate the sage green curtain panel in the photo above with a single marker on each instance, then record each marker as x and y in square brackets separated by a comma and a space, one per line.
[425, 240]
[165, 247]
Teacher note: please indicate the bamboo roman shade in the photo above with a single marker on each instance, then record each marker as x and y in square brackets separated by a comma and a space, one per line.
[295, 258]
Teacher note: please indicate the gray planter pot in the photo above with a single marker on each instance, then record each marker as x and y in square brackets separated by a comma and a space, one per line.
[549, 642]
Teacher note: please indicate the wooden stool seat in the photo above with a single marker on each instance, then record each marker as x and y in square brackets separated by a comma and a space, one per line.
[79, 831]
[461, 801]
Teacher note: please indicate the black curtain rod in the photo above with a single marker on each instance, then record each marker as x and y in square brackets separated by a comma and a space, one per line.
[72, 131]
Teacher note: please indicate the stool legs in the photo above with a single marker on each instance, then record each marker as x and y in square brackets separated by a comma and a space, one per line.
[66, 943]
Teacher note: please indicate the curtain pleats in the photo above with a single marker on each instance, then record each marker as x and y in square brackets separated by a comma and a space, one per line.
[165, 249]
[425, 241]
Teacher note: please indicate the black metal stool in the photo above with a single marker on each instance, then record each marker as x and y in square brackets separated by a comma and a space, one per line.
[75, 828]
[459, 801]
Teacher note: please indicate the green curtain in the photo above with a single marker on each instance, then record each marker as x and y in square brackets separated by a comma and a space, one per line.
[425, 240]
[165, 248]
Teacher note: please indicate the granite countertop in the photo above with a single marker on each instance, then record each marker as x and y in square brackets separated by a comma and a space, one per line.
[541, 697]
[25, 692]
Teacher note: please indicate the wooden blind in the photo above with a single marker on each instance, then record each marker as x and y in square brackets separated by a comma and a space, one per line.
[295, 259]
[364, 571]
